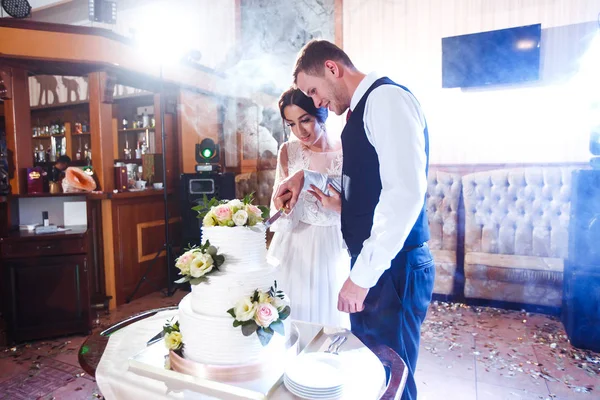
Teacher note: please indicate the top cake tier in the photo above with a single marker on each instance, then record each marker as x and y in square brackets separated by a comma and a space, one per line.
[244, 248]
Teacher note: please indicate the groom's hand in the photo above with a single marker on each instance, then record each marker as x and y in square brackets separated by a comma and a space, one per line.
[352, 297]
[289, 190]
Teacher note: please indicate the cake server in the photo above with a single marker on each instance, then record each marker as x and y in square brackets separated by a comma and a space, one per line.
[274, 218]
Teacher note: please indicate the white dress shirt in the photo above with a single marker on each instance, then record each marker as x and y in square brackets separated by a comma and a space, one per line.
[394, 125]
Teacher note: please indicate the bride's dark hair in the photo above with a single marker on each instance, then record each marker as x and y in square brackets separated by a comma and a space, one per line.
[296, 97]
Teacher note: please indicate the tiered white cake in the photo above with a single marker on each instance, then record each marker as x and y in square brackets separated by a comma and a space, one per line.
[206, 327]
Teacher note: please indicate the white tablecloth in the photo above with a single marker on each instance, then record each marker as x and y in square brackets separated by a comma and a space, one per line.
[117, 381]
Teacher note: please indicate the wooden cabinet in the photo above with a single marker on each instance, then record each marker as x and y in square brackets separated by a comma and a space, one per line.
[46, 290]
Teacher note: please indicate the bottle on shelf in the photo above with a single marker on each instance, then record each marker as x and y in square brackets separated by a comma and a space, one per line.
[78, 154]
[127, 150]
[145, 119]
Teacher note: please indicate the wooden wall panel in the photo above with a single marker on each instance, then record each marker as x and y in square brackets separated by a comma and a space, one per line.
[138, 235]
[19, 135]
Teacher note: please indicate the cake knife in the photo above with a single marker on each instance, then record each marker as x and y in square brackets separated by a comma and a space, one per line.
[274, 218]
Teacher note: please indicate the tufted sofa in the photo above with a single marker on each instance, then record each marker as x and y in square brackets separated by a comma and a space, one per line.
[516, 234]
[443, 196]
[260, 182]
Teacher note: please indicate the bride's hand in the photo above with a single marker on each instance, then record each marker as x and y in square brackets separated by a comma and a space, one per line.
[332, 202]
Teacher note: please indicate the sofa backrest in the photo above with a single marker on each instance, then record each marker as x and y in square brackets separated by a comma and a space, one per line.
[521, 211]
[443, 196]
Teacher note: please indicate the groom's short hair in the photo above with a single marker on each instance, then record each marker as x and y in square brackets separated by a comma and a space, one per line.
[314, 54]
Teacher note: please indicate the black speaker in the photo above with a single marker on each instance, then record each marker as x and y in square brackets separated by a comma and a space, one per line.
[584, 224]
[581, 305]
[193, 189]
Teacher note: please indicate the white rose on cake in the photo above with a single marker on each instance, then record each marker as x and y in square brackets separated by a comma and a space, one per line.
[235, 205]
[240, 218]
[209, 220]
[201, 265]
[173, 340]
[266, 314]
[245, 309]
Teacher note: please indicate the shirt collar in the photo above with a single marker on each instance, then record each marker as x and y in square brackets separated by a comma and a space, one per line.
[362, 88]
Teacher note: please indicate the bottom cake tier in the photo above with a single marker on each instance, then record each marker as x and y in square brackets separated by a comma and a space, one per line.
[214, 340]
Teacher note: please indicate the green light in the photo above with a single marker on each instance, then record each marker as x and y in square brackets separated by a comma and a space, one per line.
[207, 153]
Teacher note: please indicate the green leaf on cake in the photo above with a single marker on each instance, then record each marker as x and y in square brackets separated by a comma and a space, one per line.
[212, 250]
[249, 329]
[264, 336]
[278, 327]
[283, 314]
[266, 212]
[237, 323]
[248, 199]
[219, 260]
[255, 296]
[231, 312]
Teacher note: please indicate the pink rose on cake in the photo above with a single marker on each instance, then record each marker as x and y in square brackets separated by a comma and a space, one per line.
[222, 213]
[262, 313]
[252, 209]
[266, 314]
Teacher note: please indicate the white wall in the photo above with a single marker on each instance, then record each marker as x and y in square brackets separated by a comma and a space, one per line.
[546, 122]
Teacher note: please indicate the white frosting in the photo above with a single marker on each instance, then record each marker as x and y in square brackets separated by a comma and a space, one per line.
[244, 248]
[214, 340]
[207, 329]
[223, 290]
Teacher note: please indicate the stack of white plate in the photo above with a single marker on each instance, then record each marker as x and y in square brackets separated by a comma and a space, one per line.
[315, 376]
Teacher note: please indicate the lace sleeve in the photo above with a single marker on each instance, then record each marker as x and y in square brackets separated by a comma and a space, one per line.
[287, 222]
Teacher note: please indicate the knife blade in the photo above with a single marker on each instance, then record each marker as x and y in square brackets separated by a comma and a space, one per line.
[274, 218]
[156, 338]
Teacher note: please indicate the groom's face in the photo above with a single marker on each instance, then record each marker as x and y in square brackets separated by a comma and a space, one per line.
[325, 91]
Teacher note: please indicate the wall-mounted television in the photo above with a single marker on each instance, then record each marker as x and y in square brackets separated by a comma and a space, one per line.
[504, 56]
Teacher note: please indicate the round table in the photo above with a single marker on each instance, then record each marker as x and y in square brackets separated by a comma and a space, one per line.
[105, 356]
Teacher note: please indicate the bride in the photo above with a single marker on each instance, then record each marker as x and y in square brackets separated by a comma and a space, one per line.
[308, 241]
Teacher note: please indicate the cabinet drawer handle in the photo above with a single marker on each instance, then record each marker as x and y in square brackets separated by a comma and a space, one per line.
[48, 247]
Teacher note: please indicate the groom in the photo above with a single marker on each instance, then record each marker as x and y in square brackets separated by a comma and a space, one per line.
[384, 179]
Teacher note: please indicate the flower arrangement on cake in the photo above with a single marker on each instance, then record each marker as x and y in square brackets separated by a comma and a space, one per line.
[261, 313]
[172, 335]
[231, 213]
[197, 262]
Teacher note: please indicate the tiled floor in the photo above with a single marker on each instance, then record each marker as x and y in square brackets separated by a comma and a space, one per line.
[466, 353]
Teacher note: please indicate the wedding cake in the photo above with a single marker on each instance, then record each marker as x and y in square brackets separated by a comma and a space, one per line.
[235, 314]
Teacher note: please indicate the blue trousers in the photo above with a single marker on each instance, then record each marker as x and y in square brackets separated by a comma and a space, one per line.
[395, 308]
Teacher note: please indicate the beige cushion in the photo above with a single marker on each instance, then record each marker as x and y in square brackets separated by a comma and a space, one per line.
[516, 234]
[518, 211]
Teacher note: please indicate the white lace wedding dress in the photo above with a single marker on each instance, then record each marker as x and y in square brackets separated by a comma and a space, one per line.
[308, 243]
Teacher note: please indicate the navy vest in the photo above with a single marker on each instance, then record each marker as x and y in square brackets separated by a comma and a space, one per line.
[361, 182]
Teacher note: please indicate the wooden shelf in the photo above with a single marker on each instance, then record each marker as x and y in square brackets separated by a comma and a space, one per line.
[131, 161]
[137, 130]
[74, 163]
[73, 135]
[49, 136]
[59, 106]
